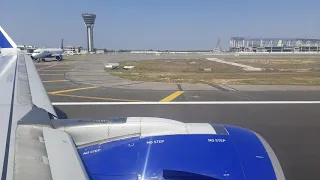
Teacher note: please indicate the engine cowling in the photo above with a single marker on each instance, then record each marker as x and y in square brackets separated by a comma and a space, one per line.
[134, 146]
[59, 58]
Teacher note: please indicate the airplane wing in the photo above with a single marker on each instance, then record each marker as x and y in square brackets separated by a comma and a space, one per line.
[35, 144]
[26, 133]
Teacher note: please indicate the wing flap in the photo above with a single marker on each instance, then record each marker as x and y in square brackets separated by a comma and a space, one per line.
[30, 154]
[63, 156]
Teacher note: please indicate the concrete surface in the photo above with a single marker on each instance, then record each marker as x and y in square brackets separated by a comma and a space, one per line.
[90, 70]
[291, 129]
[245, 67]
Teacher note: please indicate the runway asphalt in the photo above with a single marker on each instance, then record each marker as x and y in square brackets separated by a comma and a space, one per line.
[291, 129]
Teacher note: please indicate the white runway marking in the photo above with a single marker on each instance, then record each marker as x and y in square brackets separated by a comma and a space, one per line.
[245, 67]
[183, 103]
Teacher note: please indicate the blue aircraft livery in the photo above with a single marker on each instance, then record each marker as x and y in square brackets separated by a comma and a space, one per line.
[4, 43]
[238, 155]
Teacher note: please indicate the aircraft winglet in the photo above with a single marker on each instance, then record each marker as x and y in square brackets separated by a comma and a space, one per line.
[5, 40]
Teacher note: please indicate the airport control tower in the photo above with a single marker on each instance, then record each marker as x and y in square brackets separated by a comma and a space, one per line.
[89, 22]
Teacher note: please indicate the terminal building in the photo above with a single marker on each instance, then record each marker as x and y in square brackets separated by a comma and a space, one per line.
[242, 44]
[26, 49]
[72, 49]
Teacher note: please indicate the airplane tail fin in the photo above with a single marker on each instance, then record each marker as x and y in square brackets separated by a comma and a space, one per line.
[6, 41]
[61, 46]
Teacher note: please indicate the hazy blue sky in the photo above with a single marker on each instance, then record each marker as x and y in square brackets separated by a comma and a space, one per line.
[158, 24]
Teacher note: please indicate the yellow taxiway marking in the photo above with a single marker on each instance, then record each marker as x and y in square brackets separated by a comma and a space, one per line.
[70, 62]
[172, 96]
[55, 81]
[97, 98]
[46, 67]
[59, 66]
[54, 70]
[51, 74]
[71, 90]
[55, 66]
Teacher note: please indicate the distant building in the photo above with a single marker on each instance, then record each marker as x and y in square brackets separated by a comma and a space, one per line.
[100, 51]
[144, 52]
[26, 49]
[72, 49]
[242, 44]
[167, 52]
[83, 51]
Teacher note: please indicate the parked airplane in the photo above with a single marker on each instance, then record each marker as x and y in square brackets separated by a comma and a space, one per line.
[35, 144]
[43, 53]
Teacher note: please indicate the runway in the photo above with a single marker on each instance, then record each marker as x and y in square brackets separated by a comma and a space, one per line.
[288, 120]
[291, 130]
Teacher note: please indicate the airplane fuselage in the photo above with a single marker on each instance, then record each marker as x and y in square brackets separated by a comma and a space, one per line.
[48, 53]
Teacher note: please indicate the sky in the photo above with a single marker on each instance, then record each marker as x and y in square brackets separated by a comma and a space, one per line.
[157, 24]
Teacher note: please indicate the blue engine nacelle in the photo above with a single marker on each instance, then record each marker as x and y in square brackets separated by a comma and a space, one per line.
[59, 58]
[231, 153]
